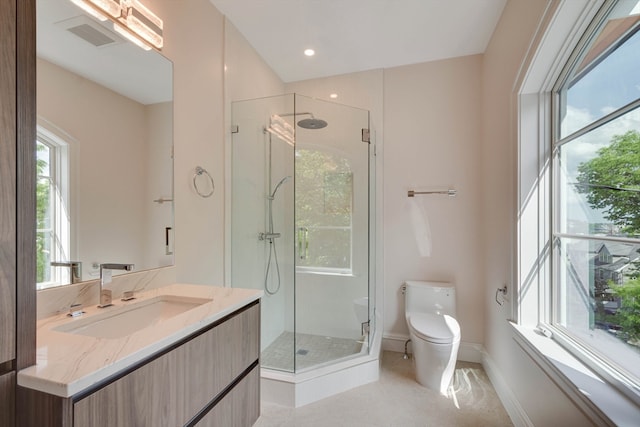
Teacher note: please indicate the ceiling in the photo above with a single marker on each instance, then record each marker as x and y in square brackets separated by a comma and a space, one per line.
[357, 35]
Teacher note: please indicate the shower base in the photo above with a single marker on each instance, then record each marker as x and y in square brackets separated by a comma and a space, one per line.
[310, 351]
[322, 380]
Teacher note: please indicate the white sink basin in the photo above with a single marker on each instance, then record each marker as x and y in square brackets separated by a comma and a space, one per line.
[117, 322]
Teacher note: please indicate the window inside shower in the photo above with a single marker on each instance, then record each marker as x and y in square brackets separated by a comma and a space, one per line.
[324, 207]
[301, 226]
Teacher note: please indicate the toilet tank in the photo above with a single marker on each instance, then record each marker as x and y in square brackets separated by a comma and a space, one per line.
[430, 297]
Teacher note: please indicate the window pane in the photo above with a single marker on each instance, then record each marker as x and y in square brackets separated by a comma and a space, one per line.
[324, 203]
[43, 159]
[43, 259]
[598, 298]
[599, 180]
[325, 248]
[596, 196]
[607, 78]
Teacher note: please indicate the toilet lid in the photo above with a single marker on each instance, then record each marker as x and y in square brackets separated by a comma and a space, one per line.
[435, 328]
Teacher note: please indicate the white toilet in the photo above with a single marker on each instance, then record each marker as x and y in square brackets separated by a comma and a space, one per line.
[430, 309]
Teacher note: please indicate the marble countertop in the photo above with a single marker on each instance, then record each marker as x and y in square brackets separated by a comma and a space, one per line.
[68, 363]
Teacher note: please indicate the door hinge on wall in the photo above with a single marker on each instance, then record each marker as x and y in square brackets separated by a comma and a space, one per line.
[366, 135]
[235, 129]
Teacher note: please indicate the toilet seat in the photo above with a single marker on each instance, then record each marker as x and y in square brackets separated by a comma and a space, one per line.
[434, 328]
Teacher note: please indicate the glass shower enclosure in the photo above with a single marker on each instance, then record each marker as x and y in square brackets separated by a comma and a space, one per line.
[302, 175]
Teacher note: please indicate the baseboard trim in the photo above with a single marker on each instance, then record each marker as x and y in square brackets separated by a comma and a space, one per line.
[509, 401]
[468, 352]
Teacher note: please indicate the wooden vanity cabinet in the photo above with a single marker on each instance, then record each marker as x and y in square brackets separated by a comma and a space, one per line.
[211, 378]
[17, 200]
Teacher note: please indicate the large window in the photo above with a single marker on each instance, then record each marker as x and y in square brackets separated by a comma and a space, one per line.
[324, 204]
[52, 219]
[595, 302]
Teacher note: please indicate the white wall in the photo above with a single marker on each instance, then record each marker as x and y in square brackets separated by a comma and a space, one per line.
[432, 122]
[527, 392]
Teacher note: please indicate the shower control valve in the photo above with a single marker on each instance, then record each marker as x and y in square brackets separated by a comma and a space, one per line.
[268, 236]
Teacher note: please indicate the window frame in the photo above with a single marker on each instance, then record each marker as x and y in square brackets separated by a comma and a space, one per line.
[550, 306]
[61, 201]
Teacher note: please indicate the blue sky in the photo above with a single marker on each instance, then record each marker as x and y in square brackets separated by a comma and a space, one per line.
[611, 84]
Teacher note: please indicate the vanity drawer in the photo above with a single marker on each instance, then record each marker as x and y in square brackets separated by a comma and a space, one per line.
[173, 388]
[239, 408]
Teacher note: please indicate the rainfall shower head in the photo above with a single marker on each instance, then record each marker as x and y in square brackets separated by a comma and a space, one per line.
[312, 123]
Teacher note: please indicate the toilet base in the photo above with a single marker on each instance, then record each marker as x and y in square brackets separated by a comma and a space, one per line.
[434, 363]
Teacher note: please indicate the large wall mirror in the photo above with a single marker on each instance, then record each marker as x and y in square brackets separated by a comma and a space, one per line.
[104, 149]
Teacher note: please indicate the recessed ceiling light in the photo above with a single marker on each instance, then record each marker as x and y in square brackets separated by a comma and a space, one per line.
[309, 52]
[333, 96]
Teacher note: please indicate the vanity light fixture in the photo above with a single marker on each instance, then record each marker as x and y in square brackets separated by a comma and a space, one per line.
[131, 19]
[89, 9]
[101, 9]
[139, 19]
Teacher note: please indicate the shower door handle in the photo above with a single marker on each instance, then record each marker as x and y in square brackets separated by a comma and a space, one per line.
[303, 242]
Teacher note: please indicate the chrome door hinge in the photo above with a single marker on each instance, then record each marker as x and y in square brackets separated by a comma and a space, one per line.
[366, 136]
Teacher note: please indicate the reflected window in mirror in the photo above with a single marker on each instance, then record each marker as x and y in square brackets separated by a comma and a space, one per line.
[52, 195]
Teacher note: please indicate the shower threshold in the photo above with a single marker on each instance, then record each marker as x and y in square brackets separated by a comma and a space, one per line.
[321, 380]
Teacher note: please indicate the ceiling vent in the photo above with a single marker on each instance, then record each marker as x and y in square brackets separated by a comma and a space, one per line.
[90, 31]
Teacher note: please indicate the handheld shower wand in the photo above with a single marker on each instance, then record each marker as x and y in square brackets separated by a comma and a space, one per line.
[270, 235]
[282, 181]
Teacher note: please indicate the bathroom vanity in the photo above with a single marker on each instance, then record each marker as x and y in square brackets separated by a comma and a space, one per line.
[174, 356]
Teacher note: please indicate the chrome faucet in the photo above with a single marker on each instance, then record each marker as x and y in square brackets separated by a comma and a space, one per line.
[75, 269]
[105, 278]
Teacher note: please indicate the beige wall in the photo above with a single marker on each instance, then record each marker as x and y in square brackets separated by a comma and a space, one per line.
[525, 388]
[107, 136]
[194, 41]
[432, 125]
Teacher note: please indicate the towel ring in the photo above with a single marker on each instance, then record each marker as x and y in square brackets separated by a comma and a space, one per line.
[201, 171]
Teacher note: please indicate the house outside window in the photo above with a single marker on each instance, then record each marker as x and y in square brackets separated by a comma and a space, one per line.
[595, 197]
[324, 206]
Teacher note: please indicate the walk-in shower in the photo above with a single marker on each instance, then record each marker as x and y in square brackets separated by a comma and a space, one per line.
[302, 192]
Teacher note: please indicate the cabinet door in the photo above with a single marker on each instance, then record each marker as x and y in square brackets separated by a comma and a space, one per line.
[171, 389]
[7, 181]
[7, 402]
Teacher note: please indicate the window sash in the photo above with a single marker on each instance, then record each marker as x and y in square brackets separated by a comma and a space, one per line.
[599, 361]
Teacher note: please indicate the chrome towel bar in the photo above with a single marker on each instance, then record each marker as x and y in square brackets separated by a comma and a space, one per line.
[450, 192]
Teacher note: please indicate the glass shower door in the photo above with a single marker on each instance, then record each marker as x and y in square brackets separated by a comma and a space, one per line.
[332, 232]
[262, 221]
